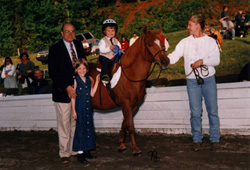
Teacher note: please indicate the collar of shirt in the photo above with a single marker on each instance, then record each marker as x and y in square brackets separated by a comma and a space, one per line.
[109, 38]
[67, 44]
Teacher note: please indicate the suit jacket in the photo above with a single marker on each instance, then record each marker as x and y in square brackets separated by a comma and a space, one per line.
[61, 70]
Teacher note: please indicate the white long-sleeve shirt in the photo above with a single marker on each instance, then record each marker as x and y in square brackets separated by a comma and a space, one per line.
[10, 69]
[193, 49]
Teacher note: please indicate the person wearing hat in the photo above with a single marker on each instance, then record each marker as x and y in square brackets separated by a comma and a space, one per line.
[106, 45]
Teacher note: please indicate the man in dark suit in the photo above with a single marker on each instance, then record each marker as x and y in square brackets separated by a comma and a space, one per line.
[62, 57]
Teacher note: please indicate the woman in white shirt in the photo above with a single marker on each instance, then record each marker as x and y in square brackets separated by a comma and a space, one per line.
[200, 52]
[9, 74]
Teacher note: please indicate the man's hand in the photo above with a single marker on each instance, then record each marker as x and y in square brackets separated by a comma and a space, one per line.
[71, 92]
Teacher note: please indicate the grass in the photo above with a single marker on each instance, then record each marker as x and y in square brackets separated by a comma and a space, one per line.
[235, 54]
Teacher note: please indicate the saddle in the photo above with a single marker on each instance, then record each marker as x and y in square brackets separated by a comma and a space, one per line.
[111, 70]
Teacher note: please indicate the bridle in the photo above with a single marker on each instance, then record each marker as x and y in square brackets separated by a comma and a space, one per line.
[153, 57]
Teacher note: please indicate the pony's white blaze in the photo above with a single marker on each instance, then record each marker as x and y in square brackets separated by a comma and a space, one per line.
[157, 42]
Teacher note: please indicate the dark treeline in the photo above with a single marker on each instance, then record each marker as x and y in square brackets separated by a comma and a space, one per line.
[34, 25]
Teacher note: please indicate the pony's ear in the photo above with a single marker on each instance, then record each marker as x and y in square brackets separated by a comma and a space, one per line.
[145, 30]
[160, 30]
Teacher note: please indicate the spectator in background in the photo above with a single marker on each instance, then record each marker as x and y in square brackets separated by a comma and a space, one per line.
[85, 46]
[18, 66]
[95, 47]
[39, 82]
[9, 74]
[26, 69]
[228, 27]
[1, 69]
[238, 22]
[242, 26]
[124, 44]
[224, 12]
[133, 39]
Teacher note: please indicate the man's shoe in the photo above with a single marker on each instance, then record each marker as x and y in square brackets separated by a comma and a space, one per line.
[81, 158]
[88, 155]
[65, 160]
[197, 147]
[215, 146]
[105, 79]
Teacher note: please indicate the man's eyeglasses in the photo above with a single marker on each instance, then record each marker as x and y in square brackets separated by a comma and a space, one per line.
[67, 31]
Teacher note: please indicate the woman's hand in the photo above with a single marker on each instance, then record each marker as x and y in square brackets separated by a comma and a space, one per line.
[197, 64]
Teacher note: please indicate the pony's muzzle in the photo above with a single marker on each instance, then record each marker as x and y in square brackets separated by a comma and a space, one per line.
[164, 63]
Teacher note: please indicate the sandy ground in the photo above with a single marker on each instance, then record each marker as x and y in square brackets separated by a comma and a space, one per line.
[39, 150]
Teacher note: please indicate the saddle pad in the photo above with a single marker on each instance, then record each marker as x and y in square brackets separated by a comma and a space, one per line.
[115, 77]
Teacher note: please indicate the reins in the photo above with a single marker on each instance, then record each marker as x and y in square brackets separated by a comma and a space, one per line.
[199, 79]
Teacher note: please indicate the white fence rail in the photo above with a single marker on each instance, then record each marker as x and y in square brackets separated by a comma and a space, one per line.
[165, 110]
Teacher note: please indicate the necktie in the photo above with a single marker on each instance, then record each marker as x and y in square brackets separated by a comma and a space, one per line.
[73, 54]
[111, 41]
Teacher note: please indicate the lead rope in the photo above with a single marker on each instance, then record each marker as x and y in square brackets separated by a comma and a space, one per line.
[199, 79]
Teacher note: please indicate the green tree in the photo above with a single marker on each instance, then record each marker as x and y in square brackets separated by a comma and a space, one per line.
[42, 22]
[7, 28]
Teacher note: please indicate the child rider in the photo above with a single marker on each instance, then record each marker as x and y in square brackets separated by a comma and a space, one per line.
[106, 45]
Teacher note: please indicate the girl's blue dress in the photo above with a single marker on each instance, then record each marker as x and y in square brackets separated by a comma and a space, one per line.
[84, 138]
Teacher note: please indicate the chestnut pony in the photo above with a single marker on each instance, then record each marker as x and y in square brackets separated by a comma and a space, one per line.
[130, 89]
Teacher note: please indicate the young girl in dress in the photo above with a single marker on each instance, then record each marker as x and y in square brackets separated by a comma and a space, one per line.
[84, 139]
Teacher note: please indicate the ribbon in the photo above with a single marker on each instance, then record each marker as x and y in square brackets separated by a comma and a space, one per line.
[118, 54]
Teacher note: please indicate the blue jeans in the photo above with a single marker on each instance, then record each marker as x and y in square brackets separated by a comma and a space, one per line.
[209, 91]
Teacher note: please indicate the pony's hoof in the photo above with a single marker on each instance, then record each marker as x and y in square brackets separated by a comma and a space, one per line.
[137, 154]
[122, 150]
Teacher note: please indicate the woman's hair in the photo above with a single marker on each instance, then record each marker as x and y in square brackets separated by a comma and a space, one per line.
[27, 55]
[81, 61]
[198, 19]
[7, 58]
[224, 7]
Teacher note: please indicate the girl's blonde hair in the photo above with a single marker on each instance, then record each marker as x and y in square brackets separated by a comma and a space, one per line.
[198, 19]
[81, 61]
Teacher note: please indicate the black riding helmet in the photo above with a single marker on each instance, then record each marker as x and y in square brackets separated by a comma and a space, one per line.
[109, 22]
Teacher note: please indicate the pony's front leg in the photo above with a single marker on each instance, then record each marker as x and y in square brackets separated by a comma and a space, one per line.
[122, 147]
[128, 122]
[131, 129]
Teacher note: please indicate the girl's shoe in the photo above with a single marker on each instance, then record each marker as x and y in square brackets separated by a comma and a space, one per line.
[88, 155]
[81, 158]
